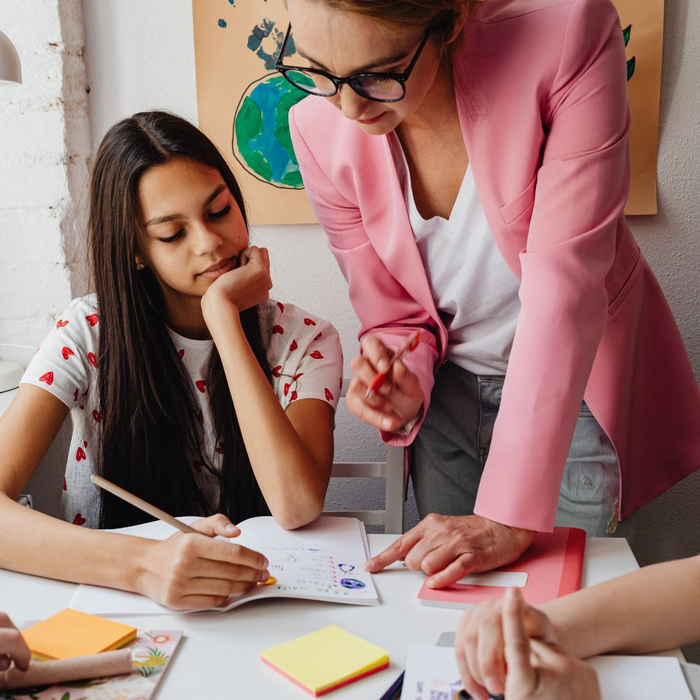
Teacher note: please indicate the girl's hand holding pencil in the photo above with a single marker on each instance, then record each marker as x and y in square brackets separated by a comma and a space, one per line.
[186, 572]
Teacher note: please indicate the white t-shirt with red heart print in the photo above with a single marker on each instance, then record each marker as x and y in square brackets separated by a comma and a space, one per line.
[305, 358]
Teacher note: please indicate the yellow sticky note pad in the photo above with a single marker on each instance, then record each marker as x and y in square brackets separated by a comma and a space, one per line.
[325, 660]
[72, 633]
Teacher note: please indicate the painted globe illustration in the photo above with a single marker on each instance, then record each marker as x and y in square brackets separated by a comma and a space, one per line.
[261, 140]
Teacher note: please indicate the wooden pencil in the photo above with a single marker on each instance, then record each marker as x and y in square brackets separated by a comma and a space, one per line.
[139, 503]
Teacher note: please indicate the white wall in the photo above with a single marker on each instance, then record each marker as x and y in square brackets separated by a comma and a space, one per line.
[670, 527]
[44, 148]
[44, 156]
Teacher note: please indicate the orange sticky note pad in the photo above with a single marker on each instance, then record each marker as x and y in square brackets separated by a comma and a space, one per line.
[72, 633]
[326, 659]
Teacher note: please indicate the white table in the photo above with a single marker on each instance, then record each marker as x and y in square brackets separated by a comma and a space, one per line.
[220, 655]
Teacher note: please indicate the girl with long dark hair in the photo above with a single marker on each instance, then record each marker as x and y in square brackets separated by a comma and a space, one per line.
[185, 384]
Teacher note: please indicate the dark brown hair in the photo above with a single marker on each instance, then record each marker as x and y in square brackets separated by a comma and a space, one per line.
[150, 431]
[441, 15]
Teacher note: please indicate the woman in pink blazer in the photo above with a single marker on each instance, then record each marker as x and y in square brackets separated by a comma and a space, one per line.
[527, 98]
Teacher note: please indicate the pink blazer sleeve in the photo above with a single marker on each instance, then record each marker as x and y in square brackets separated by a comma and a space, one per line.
[381, 303]
[581, 191]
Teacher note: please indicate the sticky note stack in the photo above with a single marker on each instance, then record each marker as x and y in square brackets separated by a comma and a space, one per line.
[325, 660]
[71, 633]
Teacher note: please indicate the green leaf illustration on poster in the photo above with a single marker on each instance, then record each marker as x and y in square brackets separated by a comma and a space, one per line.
[632, 63]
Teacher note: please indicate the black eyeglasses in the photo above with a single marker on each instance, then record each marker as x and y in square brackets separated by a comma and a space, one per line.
[380, 87]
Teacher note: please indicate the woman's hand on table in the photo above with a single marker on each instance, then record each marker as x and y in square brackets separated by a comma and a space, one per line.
[397, 402]
[187, 572]
[450, 547]
[12, 646]
[513, 635]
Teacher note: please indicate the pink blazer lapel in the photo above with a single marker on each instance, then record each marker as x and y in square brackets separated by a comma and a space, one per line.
[389, 229]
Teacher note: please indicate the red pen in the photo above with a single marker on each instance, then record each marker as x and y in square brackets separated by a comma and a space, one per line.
[410, 344]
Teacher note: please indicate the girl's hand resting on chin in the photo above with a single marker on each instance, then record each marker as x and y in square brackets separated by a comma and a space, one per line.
[187, 572]
[245, 286]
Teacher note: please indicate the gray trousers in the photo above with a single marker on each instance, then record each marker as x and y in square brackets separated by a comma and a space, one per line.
[450, 451]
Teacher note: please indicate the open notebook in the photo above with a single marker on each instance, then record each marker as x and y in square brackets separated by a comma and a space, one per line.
[322, 561]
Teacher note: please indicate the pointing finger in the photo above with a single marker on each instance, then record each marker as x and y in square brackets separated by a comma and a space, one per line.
[396, 551]
[517, 644]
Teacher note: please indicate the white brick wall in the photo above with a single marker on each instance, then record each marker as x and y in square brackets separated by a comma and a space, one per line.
[44, 153]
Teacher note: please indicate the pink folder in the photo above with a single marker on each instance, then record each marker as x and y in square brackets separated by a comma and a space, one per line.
[553, 564]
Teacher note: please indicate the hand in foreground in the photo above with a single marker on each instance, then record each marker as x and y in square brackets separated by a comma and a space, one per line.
[12, 646]
[187, 572]
[245, 286]
[396, 403]
[480, 644]
[449, 547]
[537, 670]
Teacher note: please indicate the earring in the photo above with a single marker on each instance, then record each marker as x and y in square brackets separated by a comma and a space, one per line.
[140, 266]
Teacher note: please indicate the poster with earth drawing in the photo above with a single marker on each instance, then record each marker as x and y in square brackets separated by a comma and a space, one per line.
[243, 102]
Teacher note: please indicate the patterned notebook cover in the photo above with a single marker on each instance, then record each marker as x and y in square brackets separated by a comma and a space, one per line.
[151, 654]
